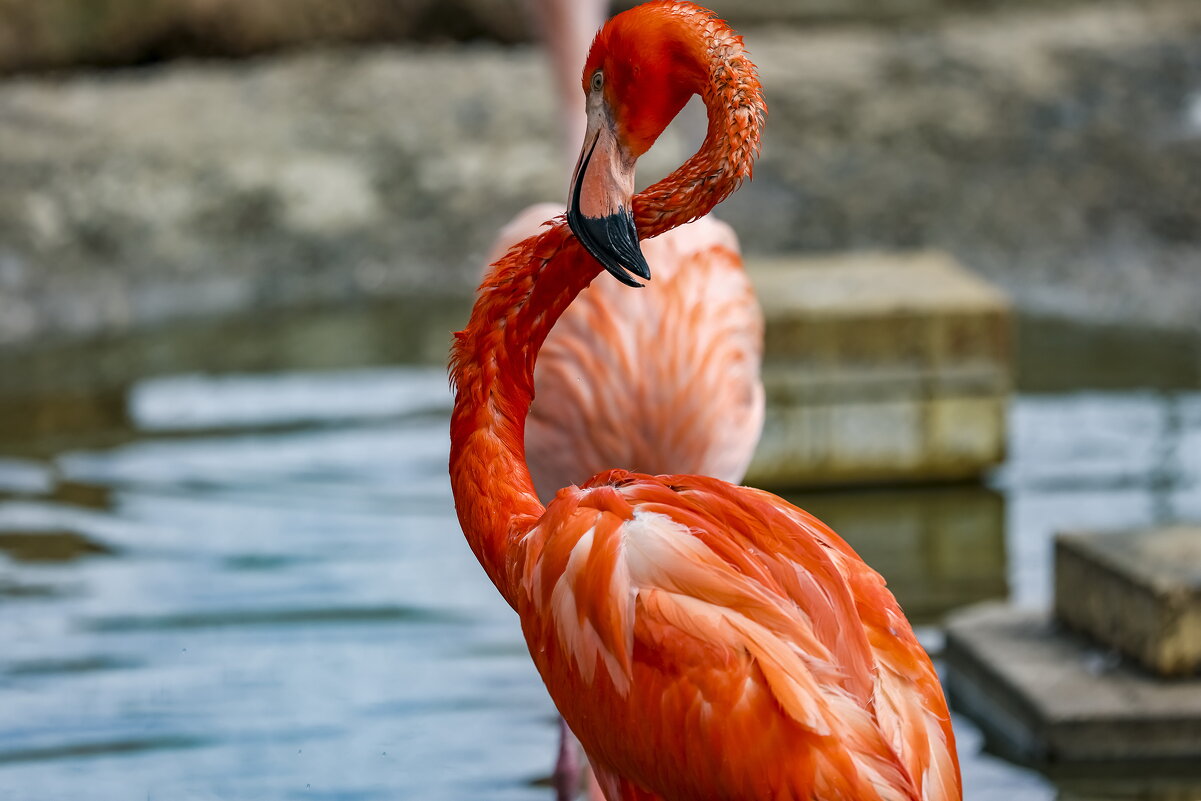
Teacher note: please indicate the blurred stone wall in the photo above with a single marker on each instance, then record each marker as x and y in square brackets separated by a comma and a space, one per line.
[41, 34]
[49, 34]
[1056, 150]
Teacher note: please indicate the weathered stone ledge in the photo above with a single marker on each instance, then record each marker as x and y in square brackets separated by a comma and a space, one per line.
[878, 368]
[1048, 697]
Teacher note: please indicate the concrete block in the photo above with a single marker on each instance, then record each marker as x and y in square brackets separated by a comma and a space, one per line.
[1136, 591]
[880, 368]
[1041, 693]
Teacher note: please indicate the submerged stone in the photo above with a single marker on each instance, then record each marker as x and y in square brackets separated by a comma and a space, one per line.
[49, 546]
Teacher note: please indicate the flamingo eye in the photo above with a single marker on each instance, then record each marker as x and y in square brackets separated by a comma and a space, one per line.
[598, 80]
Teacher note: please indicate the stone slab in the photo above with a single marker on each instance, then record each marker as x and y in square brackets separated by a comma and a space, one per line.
[880, 367]
[1136, 591]
[1046, 695]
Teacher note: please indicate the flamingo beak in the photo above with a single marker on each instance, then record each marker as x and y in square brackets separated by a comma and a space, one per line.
[599, 213]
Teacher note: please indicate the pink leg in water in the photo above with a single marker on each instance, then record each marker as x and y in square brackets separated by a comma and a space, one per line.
[567, 766]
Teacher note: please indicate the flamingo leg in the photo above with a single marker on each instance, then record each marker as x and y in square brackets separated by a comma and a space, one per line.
[567, 28]
[566, 777]
[595, 793]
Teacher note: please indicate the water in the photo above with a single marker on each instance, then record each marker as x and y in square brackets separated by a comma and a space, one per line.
[277, 614]
[254, 587]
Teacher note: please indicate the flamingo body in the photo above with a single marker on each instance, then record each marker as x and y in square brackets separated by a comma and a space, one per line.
[703, 640]
[676, 619]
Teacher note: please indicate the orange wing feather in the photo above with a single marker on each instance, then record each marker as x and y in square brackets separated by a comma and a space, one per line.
[710, 641]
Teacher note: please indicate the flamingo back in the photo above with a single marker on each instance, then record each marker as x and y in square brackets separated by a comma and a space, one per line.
[706, 640]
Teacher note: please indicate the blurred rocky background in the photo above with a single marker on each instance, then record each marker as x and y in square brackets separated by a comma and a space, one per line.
[163, 160]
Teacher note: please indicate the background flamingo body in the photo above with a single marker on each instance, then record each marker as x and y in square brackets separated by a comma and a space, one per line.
[663, 380]
[703, 640]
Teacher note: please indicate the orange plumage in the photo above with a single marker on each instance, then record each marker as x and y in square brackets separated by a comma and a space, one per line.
[702, 640]
[740, 642]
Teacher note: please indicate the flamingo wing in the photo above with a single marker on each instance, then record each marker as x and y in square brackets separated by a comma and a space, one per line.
[705, 640]
[909, 699]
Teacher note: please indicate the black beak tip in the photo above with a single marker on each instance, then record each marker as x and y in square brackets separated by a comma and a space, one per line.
[624, 271]
[638, 266]
[613, 241]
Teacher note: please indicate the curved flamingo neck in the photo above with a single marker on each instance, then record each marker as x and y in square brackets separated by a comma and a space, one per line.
[736, 111]
[492, 361]
[492, 370]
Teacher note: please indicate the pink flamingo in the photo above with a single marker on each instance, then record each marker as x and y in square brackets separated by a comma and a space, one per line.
[702, 639]
[661, 381]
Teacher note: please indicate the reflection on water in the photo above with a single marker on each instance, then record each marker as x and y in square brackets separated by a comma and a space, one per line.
[939, 547]
[61, 394]
[48, 546]
[1061, 355]
[1101, 461]
[254, 587]
[1167, 782]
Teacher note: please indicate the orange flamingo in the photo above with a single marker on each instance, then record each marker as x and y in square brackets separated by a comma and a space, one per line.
[665, 380]
[701, 639]
[684, 353]
[662, 381]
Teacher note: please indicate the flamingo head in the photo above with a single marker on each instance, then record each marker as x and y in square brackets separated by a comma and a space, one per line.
[643, 67]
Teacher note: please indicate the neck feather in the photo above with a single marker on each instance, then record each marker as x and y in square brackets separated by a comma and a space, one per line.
[492, 370]
[736, 111]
